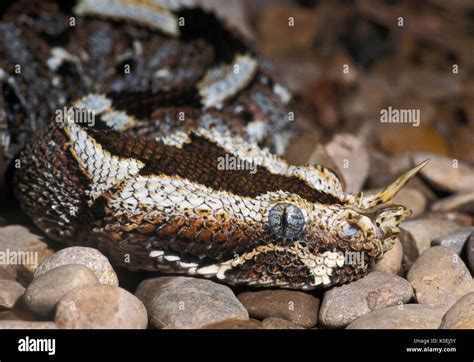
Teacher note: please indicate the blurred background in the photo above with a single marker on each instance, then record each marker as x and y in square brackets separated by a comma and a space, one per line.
[396, 53]
[346, 61]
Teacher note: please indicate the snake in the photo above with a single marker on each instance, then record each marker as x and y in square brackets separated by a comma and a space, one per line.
[186, 175]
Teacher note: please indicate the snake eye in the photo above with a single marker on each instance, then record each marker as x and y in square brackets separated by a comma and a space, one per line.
[286, 220]
[349, 231]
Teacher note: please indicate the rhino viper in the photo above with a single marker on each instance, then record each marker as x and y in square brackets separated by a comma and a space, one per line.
[134, 167]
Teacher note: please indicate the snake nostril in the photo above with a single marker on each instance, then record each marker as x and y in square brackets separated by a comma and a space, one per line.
[286, 220]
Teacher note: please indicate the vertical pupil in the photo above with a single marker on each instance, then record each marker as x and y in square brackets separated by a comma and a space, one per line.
[284, 221]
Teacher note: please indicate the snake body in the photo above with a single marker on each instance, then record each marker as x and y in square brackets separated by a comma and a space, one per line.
[150, 191]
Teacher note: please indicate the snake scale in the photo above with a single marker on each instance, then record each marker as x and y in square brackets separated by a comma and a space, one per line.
[133, 167]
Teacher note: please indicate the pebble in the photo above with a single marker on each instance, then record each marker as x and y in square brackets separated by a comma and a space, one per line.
[440, 278]
[47, 289]
[18, 314]
[410, 139]
[184, 302]
[373, 92]
[15, 324]
[279, 323]
[460, 142]
[100, 306]
[17, 238]
[319, 156]
[342, 305]
[275, 40]
[454, 240]
[457, 217]
[391, 261]
[7, 273]
[350, 153]
[384, 169]
[294, 306]
[411, 198]
[10, 292]
[89, 257]
[443, 175]
[234, 13]
[308, 150]
[428, 84]
[460, 315]
[424, 230]
[470, 253]
[300, 150]
[404, 316]
[462, 202]
[234, 324]
[417, 183]
[410, 250]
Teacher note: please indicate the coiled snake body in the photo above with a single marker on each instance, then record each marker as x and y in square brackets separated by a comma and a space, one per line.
[144, 181]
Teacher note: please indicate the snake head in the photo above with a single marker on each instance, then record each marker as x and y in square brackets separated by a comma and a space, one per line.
[315, 244]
